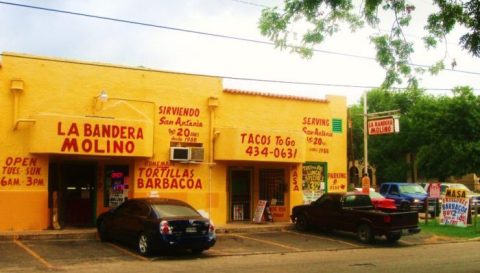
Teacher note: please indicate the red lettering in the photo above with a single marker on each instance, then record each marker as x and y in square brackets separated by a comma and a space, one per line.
[165, 183]
[140, 184]
[174, 184]
[139, 133]
[69, 145]
[87, 129]
[73, 130]
[243, 135]
[59, 129]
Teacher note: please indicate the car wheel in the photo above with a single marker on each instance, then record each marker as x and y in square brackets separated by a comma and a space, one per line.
[102, 231]
[144, 244]
[364, 233]
[301, 223]
[405, 207]
[392, 238]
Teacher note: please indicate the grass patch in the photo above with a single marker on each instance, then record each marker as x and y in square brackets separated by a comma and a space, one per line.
[434, 228]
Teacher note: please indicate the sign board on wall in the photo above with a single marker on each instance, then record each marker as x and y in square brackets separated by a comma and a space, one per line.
[91, 136]
[259, 145]
[23, 173]
[314, 175]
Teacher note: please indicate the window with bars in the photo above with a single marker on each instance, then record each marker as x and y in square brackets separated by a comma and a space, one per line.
[272, 185]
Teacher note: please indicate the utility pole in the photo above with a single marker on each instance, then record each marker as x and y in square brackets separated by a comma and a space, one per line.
[365, 131]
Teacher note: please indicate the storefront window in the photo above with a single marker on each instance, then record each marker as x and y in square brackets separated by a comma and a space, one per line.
[116, 185]
[272, 185]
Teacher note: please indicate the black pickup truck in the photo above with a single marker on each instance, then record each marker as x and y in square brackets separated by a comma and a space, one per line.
[354, 212]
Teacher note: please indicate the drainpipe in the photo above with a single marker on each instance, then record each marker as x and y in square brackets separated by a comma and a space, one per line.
[16, 86]
[212, 105]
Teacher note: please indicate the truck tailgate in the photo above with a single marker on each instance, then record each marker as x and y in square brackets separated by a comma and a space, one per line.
[404, 219]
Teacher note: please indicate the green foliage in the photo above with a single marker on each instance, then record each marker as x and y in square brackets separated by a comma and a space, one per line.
[434, 228]
[440, 132]
[393, 49]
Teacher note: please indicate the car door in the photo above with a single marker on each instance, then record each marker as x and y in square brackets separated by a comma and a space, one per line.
[113, 221]
[394, 193]
[133, 220]
[321, 211]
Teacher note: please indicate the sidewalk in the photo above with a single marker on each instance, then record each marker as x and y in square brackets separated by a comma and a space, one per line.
[91, 233]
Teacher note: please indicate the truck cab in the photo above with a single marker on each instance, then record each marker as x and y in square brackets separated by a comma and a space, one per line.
[407, 196]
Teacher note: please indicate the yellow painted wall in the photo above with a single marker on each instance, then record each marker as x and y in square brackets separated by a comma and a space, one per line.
[273, 116]
[64, 89]
[176, 107]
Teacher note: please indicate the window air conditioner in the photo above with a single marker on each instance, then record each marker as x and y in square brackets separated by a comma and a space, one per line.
[179, 153]
[197, 153]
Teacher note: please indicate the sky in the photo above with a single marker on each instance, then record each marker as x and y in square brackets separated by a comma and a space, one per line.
[50, 34]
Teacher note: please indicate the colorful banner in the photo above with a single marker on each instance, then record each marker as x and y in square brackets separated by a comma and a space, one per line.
[455, 208]
[314, 175]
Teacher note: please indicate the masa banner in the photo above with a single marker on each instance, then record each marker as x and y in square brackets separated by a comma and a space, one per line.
[455, 208]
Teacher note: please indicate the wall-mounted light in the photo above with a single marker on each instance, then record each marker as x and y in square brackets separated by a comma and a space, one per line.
[103, 97]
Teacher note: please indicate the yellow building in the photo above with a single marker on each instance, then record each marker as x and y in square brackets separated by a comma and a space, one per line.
[78, 138]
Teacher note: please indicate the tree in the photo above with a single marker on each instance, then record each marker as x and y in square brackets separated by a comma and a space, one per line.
[393, 50]
[387, 152]
[441, 134]
[449, 131]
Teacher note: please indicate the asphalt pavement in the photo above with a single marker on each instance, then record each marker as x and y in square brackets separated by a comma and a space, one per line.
[55, 250]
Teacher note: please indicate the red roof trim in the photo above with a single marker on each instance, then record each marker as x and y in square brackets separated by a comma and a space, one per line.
[280, 96]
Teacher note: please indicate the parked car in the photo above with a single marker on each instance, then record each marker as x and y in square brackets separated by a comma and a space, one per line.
[409, 196]
[354, 212]
[157, 224]
[475, 197]
[379, 201]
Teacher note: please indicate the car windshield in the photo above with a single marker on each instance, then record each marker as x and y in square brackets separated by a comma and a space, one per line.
[169, 210]
[374, 194]
[412, 188]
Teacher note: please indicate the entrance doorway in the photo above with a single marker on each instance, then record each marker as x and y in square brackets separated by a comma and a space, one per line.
[240, 194]
[74, 183]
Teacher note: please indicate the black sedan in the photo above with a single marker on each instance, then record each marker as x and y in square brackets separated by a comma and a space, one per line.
[157, 224]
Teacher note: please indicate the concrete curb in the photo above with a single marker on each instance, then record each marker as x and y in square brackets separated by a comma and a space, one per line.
[91, 233]
[49, 235]
[254, 228]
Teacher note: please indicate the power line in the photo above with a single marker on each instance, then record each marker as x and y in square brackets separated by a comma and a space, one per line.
[206, 33]
[251, 3]
[217, 76]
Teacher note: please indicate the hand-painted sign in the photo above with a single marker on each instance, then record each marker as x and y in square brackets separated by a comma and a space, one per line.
[164, 176]
[314, 177]
[381, 126]
[259, 145]
[23, 173]
[184, 123]
[455, 208]
[91, 136]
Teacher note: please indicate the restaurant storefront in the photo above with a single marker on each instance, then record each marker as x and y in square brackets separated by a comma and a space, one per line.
[79, 138]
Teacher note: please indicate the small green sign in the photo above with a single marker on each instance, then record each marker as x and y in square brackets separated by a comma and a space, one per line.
[336, 125]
